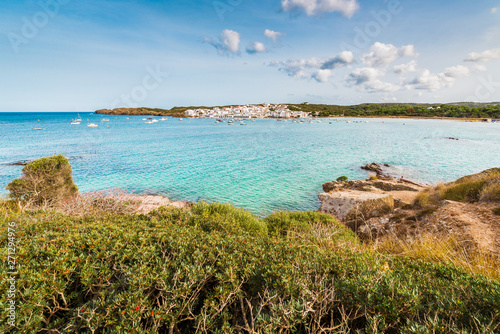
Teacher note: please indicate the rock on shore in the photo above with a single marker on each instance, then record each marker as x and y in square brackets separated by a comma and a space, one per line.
[354, 202]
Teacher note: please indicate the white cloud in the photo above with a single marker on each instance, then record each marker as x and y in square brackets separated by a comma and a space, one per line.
[494, 10]
[479, 68]
[433, 82]
[362, 75]
[273, 35]
[457, 71]
[322, 75]
[428, 81]
[314, 7]
[227, 43]
[367, 80]
[408, 51]
[297, 68]
[315, 68]
[484, 56]
[377, 86]
[405, 68]
[382, 54]
[256, 47]
[343, 58]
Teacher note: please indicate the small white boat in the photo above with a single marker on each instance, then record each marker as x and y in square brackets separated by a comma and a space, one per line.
[75, 122]
[92, 125]
[154, 121]
[163, 119]
[181, 119]
[105, 120]
[144, 119]
[79, 119]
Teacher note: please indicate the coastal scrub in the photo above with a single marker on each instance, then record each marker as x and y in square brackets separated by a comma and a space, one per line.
[44, 181]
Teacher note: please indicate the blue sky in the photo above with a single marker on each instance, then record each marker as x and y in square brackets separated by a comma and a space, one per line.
[68, 55]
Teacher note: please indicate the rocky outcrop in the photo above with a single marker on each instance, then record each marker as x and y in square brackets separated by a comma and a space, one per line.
[355, 202]
[377, 168]
[354, 206]
[372, 185]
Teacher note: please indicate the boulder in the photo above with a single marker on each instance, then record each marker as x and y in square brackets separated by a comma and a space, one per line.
[354, 207]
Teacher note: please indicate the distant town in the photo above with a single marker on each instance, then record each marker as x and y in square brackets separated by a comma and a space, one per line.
[248, 111]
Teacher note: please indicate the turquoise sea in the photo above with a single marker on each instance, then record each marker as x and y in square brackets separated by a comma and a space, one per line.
[263, 166]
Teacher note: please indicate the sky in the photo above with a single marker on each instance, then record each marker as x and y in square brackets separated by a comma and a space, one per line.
[69, 55]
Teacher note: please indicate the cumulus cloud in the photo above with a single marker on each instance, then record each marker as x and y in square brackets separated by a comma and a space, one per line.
[297, 68]
[342, 59]
[382, 54]
[405, 68]
[427, 80]
[367, 80]
[273, 35]
[322, 75]
[315, 68]
[408, 51]
[227, 43]
[256, 47]
[377, 86]
[457, 71]
[479, 68]
[314, 7]
[484, 56]
[494, 10]
[363, 75]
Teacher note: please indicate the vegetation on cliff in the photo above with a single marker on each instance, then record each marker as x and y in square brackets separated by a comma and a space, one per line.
[457, 110]
[484, 187]
[208, 270]
[45, 181]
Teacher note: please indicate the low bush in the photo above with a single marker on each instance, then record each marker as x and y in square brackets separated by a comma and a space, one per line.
[171, 272]
[342, 179]
[225, 217]
[44, 182]
[484, 186]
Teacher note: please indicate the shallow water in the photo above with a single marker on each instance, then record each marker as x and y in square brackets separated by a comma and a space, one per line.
[265, 165]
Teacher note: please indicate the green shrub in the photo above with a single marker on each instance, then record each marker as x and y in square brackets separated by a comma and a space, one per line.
[225, 217]
[484, 186]
[470, 188]
[152, 274]
[491, 191]
[342, 179]
[45, 181]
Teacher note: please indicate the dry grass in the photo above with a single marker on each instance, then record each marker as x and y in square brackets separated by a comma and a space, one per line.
[491, 192]
[434, 248]
[484, 187]
[114, 201]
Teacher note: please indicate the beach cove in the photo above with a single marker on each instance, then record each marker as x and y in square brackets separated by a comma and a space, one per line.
[263, 166]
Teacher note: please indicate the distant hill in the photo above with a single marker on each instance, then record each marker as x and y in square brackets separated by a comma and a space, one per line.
[455, 110]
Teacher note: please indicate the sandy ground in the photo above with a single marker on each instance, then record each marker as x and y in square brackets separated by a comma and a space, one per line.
[151, 202]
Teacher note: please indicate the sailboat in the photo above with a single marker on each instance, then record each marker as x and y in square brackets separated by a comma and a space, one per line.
[79, 119]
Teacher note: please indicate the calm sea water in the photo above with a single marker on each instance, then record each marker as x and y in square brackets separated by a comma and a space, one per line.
[265, 165]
